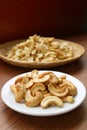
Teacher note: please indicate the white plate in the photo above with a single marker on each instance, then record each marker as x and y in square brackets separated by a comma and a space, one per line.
[9, 100]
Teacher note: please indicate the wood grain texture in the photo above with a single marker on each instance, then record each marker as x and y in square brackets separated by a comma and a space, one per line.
[74, 120]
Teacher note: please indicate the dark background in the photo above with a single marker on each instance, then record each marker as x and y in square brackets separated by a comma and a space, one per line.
[58, 18]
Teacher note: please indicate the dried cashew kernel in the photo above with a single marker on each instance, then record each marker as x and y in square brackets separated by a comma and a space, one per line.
[72, 88]
[53, 78]
[33, 101]
[29, 84]
[50, 100]
[60, 89]
[46, 94]
[41, 75]
[33, 74]
[19, 92]
[68, 99]
[37, 87]
[41, 80]
[63, 77]
[54, 91]
[22, 80]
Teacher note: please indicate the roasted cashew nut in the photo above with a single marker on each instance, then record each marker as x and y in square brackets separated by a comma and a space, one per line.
[54, 91]
[68, 99]
[51, 100]
[41, 80]
[33, 74]
[19, 92]
[41, 75]
[46, 94]
[72, 88]
[37, 87]
[60, 88]
[25, 79]
[53, 78]
[33, 101]
[63, 77]
[22, 80]
[29, 84]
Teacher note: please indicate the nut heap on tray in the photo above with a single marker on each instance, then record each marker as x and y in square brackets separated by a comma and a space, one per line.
[41, 49]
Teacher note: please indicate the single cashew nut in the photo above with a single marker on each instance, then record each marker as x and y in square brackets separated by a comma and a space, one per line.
[25, 79]
[63, 77]
[68, 99]
[22, 80]
[53, 78]
[19, 92]
[37, 87]
[72, 88]
[46, 94]
[33, 74]
[53, 90]
[29, 84]
[41, 80]
[41, 75]
[33, 101]
[51, 100]
[60, 89]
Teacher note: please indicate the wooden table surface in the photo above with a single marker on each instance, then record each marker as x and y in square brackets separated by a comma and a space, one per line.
[74, 120]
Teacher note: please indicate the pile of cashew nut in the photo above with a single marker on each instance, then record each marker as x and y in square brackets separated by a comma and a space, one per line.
[43, 89]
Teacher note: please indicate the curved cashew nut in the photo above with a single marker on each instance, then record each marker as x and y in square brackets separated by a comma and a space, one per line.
[41, 75]
[37, 87]
[25, 79]
[22, 80]
[33, 74]
[53, 78]
[46, 94]
[29, 84]
[33, 101]
[68, 99]
[60, 87]
[72, 88]
[19, 92]
[54, 91]
[50, 100]
[63, 77]
[41, 80]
